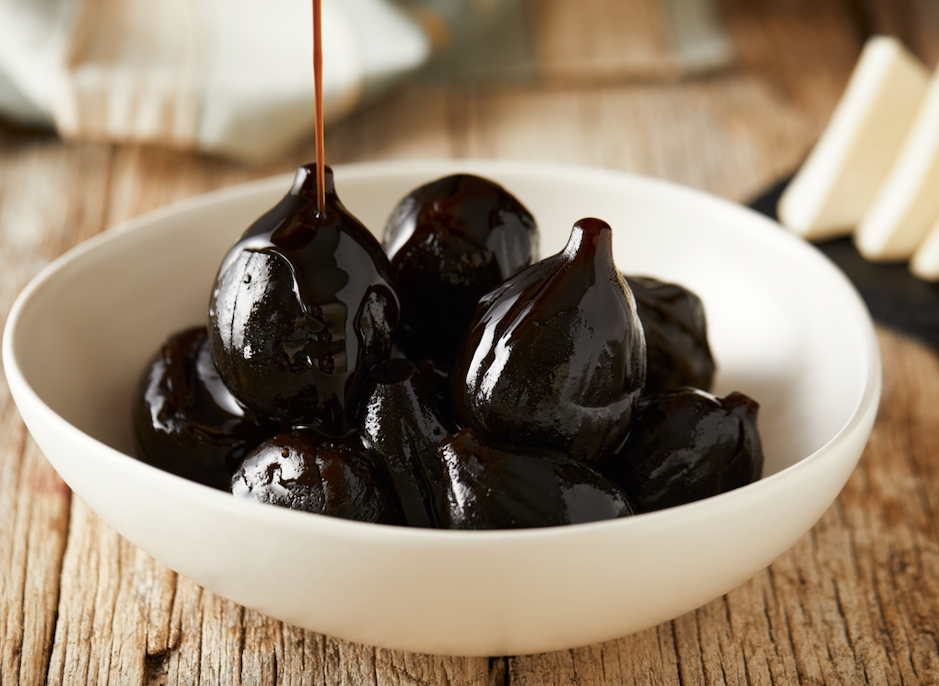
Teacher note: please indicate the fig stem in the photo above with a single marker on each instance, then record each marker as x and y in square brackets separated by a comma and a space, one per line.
[590, 238]
[318, 87]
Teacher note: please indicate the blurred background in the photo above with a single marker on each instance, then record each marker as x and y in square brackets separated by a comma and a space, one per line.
[233, 79]
[639, 85]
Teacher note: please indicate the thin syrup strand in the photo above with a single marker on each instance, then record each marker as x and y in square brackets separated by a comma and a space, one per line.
[318, 86]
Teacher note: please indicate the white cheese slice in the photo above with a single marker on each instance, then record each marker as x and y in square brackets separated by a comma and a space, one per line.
[907, 205]
[925, 261]
[834, 187]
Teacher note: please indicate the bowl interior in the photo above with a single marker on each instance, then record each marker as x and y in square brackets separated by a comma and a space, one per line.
[779, 325]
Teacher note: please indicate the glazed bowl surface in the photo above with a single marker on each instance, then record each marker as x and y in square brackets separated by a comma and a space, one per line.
[786, 328]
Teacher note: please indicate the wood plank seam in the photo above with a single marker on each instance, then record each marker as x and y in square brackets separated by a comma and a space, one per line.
[498, 671]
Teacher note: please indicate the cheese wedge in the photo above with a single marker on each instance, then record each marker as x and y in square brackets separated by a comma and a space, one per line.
[925, 261]
[833, 189]
[907, 205]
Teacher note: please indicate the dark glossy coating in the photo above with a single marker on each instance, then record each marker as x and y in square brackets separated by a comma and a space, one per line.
[677, 349]
[450, 241]
[305, 471]
[401, 425]
[185, 420]
[436, 375]
[555, 357]
[302, 308]
[686, 445]
[438, 379]
[489, 486]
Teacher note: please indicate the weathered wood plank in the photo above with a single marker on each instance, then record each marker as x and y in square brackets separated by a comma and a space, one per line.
[395, 668]
[183, 665]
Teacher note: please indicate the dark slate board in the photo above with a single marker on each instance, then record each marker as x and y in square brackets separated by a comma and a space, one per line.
[893, 295]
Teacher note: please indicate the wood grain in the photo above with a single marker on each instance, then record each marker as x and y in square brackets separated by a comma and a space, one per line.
[600, 41]
[856, 601]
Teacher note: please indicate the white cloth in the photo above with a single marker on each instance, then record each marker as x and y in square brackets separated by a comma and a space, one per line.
[232, 77]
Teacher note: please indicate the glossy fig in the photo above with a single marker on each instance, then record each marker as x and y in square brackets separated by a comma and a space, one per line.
[302, 308]
[677, 347]
[555, 356]
[493, 486]
[185, 419]
[303, 471]
[450, 241]
[686, 445]
[401, 425]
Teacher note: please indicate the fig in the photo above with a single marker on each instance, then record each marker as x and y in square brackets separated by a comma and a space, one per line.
[185, 420]
[492, 486]
[449, 242]
[677, 350]
[401, 425]
[301, 470]
[303, 306]
[555, 356]
[686, 445]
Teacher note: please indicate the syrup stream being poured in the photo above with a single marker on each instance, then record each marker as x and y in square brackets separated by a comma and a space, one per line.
[318, 87]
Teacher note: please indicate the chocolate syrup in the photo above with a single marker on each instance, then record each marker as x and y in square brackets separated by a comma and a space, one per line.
[318, 86]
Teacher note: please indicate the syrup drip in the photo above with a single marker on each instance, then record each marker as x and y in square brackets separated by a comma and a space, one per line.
[318, 86]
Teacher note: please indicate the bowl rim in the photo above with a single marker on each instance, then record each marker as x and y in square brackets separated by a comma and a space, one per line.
[23, 392]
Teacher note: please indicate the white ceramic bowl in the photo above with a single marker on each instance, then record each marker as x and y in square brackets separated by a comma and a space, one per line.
[786, 328]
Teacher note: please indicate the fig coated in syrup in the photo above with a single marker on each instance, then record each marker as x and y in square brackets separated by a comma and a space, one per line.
[677, 349]
[489, 486]
[555, 357]
[302, 307]
[185, 420]
[402, 425]
[304, 471]
[686, 445]
[450, 241]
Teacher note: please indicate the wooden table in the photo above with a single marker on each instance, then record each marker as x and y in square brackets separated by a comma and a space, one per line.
[856, 601]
